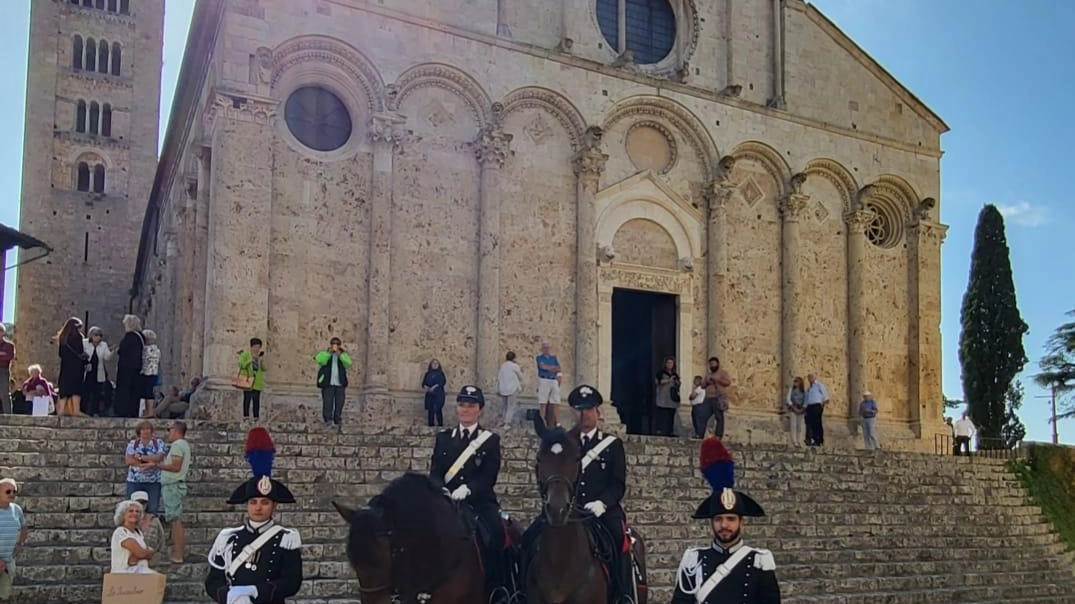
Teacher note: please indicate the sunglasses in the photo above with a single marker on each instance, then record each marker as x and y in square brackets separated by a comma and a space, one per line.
[10, 492]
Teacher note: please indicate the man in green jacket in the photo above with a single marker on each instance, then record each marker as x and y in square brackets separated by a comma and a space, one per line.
[332, 380]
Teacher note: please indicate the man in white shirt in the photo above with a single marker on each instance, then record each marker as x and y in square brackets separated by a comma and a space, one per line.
[964, 430]
[509, 384]
[817, 396]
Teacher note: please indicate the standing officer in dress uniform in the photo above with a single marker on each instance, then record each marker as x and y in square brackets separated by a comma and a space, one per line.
[602, 485]
[466, 459]
[728, 571]
[259, 562]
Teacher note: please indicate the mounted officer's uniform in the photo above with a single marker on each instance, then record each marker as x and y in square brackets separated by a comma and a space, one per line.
[467, 462]
[256, 563]
[725, 574]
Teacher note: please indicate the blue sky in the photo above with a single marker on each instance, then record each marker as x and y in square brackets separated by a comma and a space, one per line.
[997, 71]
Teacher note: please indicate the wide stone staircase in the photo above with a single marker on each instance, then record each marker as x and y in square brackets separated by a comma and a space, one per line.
[846, 527]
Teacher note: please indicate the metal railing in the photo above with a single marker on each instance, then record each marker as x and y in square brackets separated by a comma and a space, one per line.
[986, 448]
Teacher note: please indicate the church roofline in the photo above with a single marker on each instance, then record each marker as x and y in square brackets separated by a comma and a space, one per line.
[874, 67]
[204, 28]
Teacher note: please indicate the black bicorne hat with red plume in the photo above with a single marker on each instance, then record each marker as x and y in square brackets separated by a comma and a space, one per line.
[718, 469]
[260, 451]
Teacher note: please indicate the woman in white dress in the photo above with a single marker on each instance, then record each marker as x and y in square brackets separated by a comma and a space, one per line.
[129, 551]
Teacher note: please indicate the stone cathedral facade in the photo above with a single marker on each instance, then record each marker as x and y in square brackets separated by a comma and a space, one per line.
[461, 178]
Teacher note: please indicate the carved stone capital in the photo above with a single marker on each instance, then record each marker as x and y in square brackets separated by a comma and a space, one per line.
[858, 220]
[492, 148]
[234, 107]
[590, 160]
[793, 205]
[717, 195]
[386, 128]
[928, 232]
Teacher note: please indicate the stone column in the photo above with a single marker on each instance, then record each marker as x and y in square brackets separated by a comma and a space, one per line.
[717, 196]
[924, 239]
[492, 150]
[385, 133]
[589, 163]
[239, 239]
[198, 254]
[856, 221]
[792, 207]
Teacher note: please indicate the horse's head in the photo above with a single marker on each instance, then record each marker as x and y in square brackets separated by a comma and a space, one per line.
[369, 549]
[558, 468]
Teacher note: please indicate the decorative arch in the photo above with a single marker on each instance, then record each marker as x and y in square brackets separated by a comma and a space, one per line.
[898, 190]
[836, 174]
[769, 159]
[553, 103]
[449, 78]
[315, 53]
[890, 201]
[678, 116]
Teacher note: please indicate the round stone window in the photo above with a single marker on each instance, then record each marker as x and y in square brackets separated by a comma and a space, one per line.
[883, 230]
[318, 118]
[649, 28]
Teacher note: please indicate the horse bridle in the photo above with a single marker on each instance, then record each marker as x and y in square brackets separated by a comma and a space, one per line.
[393, 551]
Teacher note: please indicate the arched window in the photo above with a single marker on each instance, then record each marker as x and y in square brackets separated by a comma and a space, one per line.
[83, 176]
[80, 117]
[645, 27]
[125, 7]
[117, 54]
[112, 6]
[91, 55]
[102, 56]
[76, 52]
[106, 120]
[99, 179]
[95, 116]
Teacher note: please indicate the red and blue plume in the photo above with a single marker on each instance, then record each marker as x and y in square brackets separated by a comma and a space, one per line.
[716, 464]
[260, 452]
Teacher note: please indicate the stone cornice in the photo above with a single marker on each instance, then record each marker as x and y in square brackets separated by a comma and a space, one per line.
[929, 232]
[92, 140]
[668, 85]
[241, 108]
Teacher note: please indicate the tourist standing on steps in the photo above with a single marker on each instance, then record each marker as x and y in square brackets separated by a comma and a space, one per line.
[93, 389]
[964, 430]
[509, 383]
[259, 561]
[141, 455]
[332, 366]
[466, 460]
[7, 354]
[129, 369]
[151, 527]
[252, 367]
[174, 470]
[73, 359]
[548, 386]
[151, 368]
[868, 413]
[727, 571]
[817, 396]
[717, 382]
[13, 533]
[668, 384]
[433, 383]
[699, 418]
[796, 404]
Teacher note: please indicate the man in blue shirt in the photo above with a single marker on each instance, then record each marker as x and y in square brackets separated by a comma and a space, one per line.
[548, 386]
[13, 532]
[817, 396]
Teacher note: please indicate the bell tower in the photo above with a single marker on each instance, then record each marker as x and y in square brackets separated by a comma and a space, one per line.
[89, 157]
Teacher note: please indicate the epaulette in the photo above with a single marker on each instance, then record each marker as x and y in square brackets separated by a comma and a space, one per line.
[691, 558]
[220, 545]
[289, 539]
[763, 559]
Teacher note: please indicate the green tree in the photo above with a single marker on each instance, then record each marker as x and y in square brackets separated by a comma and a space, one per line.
[1058, 368]
[1013, 431]
[991, 341]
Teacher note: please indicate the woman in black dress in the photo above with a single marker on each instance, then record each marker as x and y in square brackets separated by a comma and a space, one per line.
[129, 383]
[433, 382]
[73, 360]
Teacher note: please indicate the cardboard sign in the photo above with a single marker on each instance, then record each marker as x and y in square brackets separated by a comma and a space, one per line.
[41, 405]
[133, 588]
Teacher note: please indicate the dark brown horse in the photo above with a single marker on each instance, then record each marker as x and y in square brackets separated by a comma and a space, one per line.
[565, 568]
[409, 546]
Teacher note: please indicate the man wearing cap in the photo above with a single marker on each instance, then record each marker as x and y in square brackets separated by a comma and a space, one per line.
[728, 571]
[152, 530]
[868, 413]
[466, 459]
[603, 482]
[259, 562]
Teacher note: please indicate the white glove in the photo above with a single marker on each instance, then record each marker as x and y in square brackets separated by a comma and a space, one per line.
[461, 493]
[597, 508]
[243, 594]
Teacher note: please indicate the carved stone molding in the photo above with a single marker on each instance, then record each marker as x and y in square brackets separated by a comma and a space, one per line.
[836, 174]
[793, 206]
[447, 78]
[858, 220]
[554, 104]
[677, 118]
[718, 193]
[323, 50]
[590, 160]
[646, 279]
[769, 160]
[932, 233]
[387, 128]
[669, 139]
[238, 108]
[492, 147]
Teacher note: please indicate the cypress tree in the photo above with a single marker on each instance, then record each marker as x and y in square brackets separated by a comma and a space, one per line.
[991, 341]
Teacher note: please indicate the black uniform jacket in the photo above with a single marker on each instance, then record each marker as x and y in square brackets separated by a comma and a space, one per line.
[275, 569]
[479, 473]
[752, 581]
[605, 479]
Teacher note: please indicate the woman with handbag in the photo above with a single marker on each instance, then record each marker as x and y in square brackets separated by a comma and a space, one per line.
[73, 364]
[93, 389]
[251, 377]
[129, 381]
[667, 398]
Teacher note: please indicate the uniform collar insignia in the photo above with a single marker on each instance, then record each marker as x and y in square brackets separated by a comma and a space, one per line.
[257, 530]
[730, 550]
